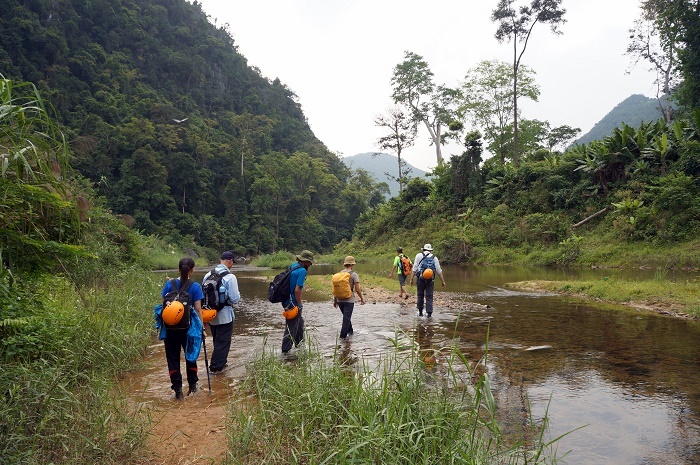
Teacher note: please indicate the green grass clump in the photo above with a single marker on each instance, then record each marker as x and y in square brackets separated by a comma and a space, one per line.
[658, 292]
[59, 367]
[319, 412]
[277, 260]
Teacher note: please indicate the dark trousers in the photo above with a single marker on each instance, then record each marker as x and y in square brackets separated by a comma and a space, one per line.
[175, 342]
[346, 309]
[293, 333]
[425, 290]
[221, 335]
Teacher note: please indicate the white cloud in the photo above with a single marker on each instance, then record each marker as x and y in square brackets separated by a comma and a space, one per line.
[338, 57]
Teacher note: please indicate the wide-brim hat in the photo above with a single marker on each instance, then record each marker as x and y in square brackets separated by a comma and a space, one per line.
[349, 260]
[305, 256]
[428, 247]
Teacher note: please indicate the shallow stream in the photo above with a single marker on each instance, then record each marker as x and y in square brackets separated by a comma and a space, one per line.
[630, 377]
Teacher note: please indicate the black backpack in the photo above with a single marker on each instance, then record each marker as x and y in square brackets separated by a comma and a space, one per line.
[278, 291]
[183, 296]
[210, 288]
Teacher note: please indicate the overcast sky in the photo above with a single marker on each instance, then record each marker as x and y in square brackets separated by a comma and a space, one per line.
[338, 57]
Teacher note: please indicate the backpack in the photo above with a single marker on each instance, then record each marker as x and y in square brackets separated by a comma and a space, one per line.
[183, 296]
[213, 299]
[341, 285]
[278, 291]
[405, 264]
[428, 261]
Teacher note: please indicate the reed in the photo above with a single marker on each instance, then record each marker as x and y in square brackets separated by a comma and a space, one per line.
[317, 412]
[59, 405]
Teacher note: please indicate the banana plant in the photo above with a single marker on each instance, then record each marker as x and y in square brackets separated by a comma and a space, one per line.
[659, 150]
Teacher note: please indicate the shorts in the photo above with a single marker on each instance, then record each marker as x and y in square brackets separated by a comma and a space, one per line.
[402, 278]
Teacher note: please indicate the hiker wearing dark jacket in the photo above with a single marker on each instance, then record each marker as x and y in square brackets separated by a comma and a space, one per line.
[425, 286]
[294, 327]
[176, 340]
[221, 327]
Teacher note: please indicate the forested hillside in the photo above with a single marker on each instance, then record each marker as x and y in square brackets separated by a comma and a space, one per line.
[633, 111]
[176, 132]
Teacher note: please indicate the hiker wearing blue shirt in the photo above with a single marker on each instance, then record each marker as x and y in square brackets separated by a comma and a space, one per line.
[221, 326]
[425, 267]
[176, 340]
[294, 327]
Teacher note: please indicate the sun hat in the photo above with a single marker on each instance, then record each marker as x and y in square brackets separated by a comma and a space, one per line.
[428, 247]
[305, 256]
[228, 255]
[349, 260]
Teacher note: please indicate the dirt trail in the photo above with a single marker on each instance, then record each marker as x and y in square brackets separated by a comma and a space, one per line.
[191, 431]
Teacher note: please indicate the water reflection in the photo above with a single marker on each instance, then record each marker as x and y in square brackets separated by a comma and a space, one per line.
[632, 377]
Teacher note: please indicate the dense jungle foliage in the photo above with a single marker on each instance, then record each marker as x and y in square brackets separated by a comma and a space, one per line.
[180, 136]
[643, 184]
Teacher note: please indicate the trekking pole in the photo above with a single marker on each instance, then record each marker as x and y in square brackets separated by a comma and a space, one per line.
[206, 361]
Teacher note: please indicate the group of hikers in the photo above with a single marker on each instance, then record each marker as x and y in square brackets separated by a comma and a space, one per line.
[188, 307]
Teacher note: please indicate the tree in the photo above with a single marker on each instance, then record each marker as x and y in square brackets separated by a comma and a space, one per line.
[561, 136]
[676, 25]
[516, 26]
[429, 104]
[486, 97]
[253, 131]
[647, 43]
[401, 134]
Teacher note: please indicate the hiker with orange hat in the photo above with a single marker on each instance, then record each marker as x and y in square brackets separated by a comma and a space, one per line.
[426, 266]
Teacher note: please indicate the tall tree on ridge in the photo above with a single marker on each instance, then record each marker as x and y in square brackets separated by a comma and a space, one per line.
[656, 38]
[516, 26]
[401, 134]
[486, 97]
[429, 104]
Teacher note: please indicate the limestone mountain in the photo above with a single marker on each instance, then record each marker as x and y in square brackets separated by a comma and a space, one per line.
[633, 111]
[378, 164]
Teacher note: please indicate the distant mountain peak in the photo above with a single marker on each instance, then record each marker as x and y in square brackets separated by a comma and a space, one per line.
[633, 110]
[378, 163]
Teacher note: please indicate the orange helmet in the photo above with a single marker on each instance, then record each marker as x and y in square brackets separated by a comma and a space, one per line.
[208, 314]
[173, 312]
[428, 273]
[290, 312]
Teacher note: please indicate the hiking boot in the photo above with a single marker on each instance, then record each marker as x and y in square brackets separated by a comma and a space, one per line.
[193, 388]
[178, 394]
[420, 312]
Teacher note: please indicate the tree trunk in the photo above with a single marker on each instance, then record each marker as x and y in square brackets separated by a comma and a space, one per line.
[435, 137]
[515, 101]
[590, 217]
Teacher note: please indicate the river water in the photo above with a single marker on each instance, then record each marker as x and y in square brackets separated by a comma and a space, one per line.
[629, 377]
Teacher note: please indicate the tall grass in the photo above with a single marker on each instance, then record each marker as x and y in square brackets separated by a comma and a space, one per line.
[314, 412]
[59, 368]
